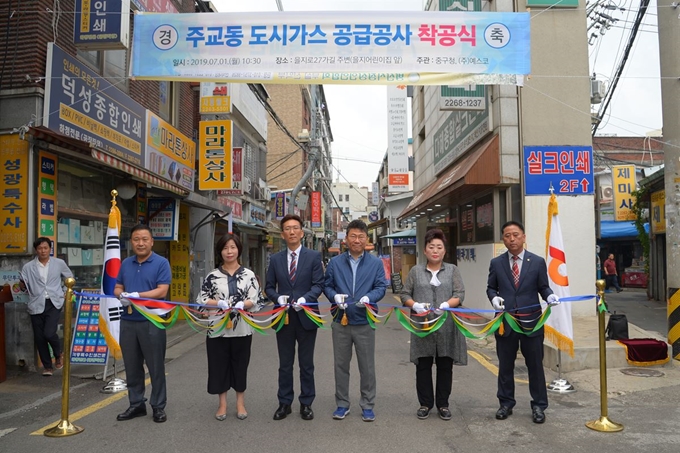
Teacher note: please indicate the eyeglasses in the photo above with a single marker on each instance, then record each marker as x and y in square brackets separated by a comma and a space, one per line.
[288, 229]
[355, 237]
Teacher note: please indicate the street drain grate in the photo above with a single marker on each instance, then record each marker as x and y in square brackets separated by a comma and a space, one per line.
[642, 372]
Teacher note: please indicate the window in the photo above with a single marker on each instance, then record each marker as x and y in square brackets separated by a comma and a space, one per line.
[111, 64]
[347, 197]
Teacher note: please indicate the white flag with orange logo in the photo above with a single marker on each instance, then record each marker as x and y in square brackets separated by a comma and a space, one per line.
[558, 328]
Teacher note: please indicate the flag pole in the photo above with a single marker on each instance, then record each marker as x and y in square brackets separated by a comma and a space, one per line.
[560, 385]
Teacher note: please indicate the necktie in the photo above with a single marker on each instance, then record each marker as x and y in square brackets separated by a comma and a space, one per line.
[293, 266]
[515, 270]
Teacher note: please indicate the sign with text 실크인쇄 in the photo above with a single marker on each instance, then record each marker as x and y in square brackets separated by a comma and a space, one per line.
[568, 170]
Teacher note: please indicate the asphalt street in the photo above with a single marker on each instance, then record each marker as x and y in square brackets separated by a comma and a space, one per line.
[646, 406]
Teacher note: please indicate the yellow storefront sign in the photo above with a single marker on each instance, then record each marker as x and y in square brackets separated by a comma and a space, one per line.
[215, 155]
[179, 259]
[658, 214]
[624, 184]
[14, 195]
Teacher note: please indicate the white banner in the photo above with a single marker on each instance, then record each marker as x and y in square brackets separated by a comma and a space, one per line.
[397, 139]
[375, 46]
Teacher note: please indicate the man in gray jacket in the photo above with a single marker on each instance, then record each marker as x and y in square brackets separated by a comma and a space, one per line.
[43, 277]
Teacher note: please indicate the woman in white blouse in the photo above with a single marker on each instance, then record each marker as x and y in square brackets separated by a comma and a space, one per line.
[230, 286]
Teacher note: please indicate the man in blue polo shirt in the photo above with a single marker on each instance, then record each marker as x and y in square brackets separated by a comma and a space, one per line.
[144, 275]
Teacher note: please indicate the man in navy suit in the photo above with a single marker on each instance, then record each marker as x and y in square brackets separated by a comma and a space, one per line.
[294, 277]
[516, 278]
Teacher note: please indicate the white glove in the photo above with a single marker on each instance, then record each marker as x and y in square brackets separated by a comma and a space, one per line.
[222, 304]
[296, 304]
[443, 306]
[282, 300]
[340, 300]
[418, 307]
[127, 295]
[124, 298]
[553, 300]
[364, 300]
[239, 306]
[498, 303]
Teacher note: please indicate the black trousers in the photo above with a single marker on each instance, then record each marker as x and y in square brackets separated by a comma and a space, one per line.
[612, 280]
[45, 333]
[228, 360]
[532, 350]
[286, 338]
[424, 387]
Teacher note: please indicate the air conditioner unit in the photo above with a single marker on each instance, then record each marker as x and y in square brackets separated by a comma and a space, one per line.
[267, 194]
[597, 91]
[247, 185]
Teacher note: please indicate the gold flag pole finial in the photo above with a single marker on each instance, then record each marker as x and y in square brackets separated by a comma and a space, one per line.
[603, 424]
[65, 428]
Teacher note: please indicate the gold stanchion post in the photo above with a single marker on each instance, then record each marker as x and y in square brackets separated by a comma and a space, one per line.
[603, 424]
[65, 428]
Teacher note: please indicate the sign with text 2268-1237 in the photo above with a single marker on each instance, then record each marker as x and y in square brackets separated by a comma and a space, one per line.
[79, 103]
[261, 46]
[567, 170]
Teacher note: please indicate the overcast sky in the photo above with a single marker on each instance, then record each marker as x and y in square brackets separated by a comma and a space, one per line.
[358, 113]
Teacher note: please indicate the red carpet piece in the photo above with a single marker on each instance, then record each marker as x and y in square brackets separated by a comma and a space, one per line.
[645, 351]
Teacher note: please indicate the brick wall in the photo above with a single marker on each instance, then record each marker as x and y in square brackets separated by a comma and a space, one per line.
[285, 162]
[23, 49]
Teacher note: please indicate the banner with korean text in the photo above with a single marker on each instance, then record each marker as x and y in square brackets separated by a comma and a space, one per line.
[215, 155]
[362, 47]
[397, 139]
[624, 183]
[14, 195]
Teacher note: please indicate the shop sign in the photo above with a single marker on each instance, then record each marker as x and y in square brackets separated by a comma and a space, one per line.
[258, 215]
[316, 210]
[47, 197]
[658, 214]
[16, 285]
[163, 218]
[215, 155]
[466, 254]
[14, 195]
[280, 205]
[563, 170]
[215, 99]
[89, 345]
[460, 132]
[81, 104]
[235, 205]
[236, 174]
[404, 241]
[397, 139]
[101, 24]
[465, 97]
[624, 184]
[169, 153]
[179, 259]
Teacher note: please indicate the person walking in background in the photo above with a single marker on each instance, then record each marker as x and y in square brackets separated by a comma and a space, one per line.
[43, 277]
[295, 275]
[354, 279]
[438, 285]
[143, 275]
[230, 286]
[516, 278]
[610, 274]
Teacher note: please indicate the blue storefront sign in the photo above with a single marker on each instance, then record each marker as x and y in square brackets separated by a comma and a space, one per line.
[101, 24]
[566, 170]
[81, 104]
[404, 241]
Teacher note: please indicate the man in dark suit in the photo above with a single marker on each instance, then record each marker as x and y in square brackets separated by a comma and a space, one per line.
[516, 278]
[294, 277]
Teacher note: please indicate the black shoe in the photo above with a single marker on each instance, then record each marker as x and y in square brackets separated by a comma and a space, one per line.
[444, 413]
[159, 415]
[423, 412]
[282, 411]
[619, 290]
[538, 415]
[132, 412]
[306, 412]
[503, 412]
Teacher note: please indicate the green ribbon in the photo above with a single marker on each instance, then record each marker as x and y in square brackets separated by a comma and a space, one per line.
[469, 334]
[514, 325]
[404, 321]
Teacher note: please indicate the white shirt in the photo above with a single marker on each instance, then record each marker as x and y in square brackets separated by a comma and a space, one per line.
[43, 269]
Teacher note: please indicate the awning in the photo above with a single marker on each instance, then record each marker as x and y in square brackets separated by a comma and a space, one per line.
[138, 173]
[611, 229]
[400, 234]
[377, 223]
[478, 171]
[248, 228]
